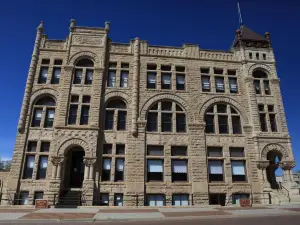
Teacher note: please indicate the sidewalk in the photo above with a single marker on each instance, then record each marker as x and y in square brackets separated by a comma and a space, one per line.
[108, 214]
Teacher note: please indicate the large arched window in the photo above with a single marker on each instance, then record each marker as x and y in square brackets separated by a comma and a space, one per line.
[222, 119]
[84, 70]
[166, 116]
[43, 112]
[261, 82]
[115, 115]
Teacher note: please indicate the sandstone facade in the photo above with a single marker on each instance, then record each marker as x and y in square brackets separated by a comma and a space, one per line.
[248, 54]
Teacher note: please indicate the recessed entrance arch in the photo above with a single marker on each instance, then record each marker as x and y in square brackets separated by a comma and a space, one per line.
[74, 168]
[274, 157]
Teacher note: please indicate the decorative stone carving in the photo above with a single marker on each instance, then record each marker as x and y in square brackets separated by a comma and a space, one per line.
[88, 40]
[56, 160]
[273, 147]
[196, 126]
[79, 55]
[287, 165]
[119, 94]
[89, 161]
[67, 144]
[259, 66]
[263, 164]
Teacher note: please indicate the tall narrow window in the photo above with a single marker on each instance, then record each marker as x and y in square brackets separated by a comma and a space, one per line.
[210, 124]
[29, 165]
[106, 169]
[119, 174]
[111, 81]
[273, 122]
[42, 170]
[236, 125]
[151, 80]
[73, 114]
[223, 124]
[152, 121]
[263, 124]
[43, 75]
[37, 117]
[118, 198]
[124, 79]
[205, 83]
[233, 85]
[219, 84]
[257, 86]
[116, 108]
[84, 118]
[77, 76]
[56, 75]
[180, 122]
[109, 120]
[84, 72]
[121, 120]
[47, 105]
[179, 170]
[267, 87]
[155, 170]
[261, 81]
[215, 170]
[180, 82]
[238, 170]
[166, 122]
[89, 77]
[166, 80]
[49, 118]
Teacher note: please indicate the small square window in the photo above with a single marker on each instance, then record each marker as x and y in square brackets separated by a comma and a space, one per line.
[271, 108]
[231, 72]
[261, 108]
[125, 65]
[74, 98]
[180, 69]
[86, 99]
[178, 150]
[45, 61]
[204, 70]
[32, 146]
[236, 152]
[45, 146]
[155, 150]
[112, 65]
[58, 62]
[165, 67]
[214, 152]
[120, 149]
[151, 66]
[218, 71]
[107, 149]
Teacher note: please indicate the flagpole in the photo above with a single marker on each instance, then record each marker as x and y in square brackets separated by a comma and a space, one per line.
[240, 14]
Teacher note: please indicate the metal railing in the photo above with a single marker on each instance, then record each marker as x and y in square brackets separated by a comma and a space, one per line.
[284, 191]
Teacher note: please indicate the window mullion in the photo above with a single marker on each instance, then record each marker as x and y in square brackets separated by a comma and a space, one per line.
[43, 118]
[36, 166]
[261, 85]
[229, 120]
[268, 121]
[83, 76]
[216, 120]
[78, 114]
[50, 73]
[158, 78]
[115, 124]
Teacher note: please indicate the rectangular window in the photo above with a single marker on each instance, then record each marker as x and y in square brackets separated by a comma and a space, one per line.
[270, 108]
[165, 80]
[180, 199]
[45, 61]
[107, 149]
[58, 62]
[238, 170]
[89, 77]
[43, 75]
[178, 151]
[104, 199]
[155, 200]
[219, 84]
[109, 120]
[210, 124]
[218, 71]
[180, 82]
[106, 169]
[204, 70]
[155, 150]
[179, 170]
[261, 108]
[231, 72]
[264, 57]
[263, 124]
[236, 197]
[205, 83]
[74, 98]
[257, 56]
[121, 120]
[217, 199]
[119, 173]
[77, 76]
[151, 80]
[180, 122]
[236, 125]
[215, 170]
[72, 114]
[250, 55]
[31, 146]
[37, 116]
[124, 79]
[267, 87]
[214, 152]
[120, 149]
[84, 118]
[86, 99]
[236, 152]
[56, 75]
[118, 199]
[155, 170]
[49, 118]
[165, 67]
[22, 199]
[223, 124]
[38, 195]
[256, 84]
[166, 122]
[273, 122]
[152, 121]
[42, 170]
[233, 85]
[45, 147]
[28, 169]
[111, 81]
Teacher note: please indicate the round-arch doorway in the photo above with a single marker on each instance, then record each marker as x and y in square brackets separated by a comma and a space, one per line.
[274, 158]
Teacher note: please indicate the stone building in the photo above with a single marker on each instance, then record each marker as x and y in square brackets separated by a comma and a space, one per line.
[135, 124]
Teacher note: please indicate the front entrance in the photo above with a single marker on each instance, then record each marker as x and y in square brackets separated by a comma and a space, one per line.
[274, 158]
[74, 173]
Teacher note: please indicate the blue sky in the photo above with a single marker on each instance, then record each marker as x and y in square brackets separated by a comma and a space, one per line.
[211, 24]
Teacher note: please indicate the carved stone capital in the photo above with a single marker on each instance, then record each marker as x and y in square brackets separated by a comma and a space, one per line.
[287, 165]
[56, 160]
[247, 128]
[68, 68]
[262, 164]
[89, 161]
[142, 124]
[196, 126]
[99, 69]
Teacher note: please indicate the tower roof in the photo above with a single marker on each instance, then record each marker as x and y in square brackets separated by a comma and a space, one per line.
[249, 35]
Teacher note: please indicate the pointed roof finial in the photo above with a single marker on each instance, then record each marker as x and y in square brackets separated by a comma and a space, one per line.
[72, 24]
[41, 27]
[107, 25]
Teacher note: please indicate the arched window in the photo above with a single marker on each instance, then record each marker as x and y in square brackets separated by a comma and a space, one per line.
[166, 116]
[84, 72]
[261, 82]
[43, 112]
[222, 119]
[115, 111]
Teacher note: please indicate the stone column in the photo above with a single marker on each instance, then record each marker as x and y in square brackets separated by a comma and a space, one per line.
[197, 161]
[262, 165]
[56, 169]
[88, 183]
[31, 73]
[287, 167]
[55, 182]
